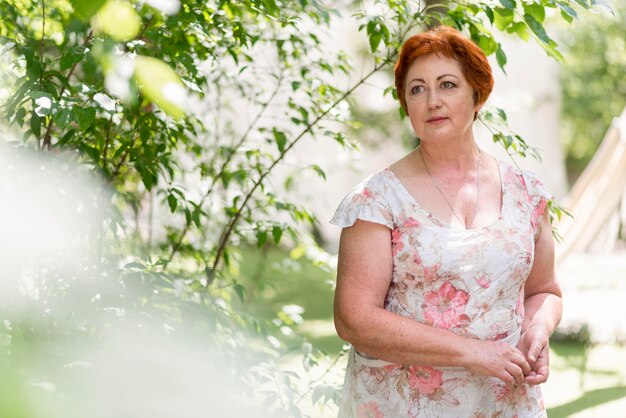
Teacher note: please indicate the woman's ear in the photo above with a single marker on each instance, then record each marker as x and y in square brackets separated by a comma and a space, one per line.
[477, 109]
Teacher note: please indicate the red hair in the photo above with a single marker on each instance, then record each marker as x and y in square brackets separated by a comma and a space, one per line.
[450, 43]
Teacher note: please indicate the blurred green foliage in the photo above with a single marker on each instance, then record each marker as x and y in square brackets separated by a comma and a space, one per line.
[185, 113]
[593, 82]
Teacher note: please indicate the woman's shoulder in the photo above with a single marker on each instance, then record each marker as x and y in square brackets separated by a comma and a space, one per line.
[366, 201]
[528, 180]
[376, 181]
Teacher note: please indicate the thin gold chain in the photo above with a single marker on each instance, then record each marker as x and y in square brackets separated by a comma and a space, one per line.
[444, 196]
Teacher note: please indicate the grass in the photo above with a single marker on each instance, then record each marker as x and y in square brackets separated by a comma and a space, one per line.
[585, 381]
[273, 281]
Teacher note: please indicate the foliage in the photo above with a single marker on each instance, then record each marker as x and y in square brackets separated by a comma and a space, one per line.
[186, 113]
[593, 83]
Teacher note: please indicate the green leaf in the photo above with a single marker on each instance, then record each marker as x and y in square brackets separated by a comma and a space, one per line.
[135, 265]
[489, 13]
[487, 44]
[159, 83]
[583, 3]
[38, 94]
[85, 117]
[566, 17]
[550, 48]
[501, 57]
[71, 56]
[35, 124]
[280, 138]
[63, 117]
[535, 10]
[603, 3]
[375, 34]
[261, 237]
[87, 8]
[118, 19]
[385, 32]
[402, 113]
[319, 171]
[375, 39]
[568, 10]
[277, 233]
[509, 4]
[67, 137]
[502, 114]
[241, 291]
[537, 28]
[19, 116]
[172, 202]
[521, 29]
[502, 17]
[195, 216]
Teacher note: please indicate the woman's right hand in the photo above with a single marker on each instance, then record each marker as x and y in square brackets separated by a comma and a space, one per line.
[497, 359]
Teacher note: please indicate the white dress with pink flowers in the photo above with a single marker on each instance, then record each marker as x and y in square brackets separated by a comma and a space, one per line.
[470, 282]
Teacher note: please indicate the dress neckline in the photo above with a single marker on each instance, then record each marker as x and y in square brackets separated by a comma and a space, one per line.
[441, 223]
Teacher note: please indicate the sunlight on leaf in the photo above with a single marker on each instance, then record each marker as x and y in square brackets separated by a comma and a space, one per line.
[85, 9]
[118, 19]
[160, 84]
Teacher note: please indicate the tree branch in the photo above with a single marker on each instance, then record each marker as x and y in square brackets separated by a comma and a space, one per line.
[106, 144]
[233, 220]
[123, 159]
[224, 165]
[48, 136]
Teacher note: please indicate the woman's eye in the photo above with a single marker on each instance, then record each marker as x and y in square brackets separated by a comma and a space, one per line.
[448, 85]
[417, 89]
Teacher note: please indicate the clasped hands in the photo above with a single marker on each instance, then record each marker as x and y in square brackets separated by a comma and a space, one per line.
[526, 363]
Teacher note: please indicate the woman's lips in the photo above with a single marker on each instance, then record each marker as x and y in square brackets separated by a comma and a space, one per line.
[438, 119]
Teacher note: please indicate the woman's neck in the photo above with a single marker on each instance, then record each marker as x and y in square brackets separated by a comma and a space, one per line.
[457, 157]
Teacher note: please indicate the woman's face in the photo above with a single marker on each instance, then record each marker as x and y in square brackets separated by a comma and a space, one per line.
[439, 99]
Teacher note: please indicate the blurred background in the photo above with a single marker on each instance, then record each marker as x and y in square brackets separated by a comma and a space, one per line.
[169, 169]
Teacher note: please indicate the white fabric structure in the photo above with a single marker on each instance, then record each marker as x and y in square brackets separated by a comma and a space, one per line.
[597, 193]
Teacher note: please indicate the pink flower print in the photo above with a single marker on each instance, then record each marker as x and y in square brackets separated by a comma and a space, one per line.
[515, 396]
[411, 223]
[366, 193]
[483, 281]
[392, 367]
[396, 241]
[537, 213]
[444, 308]
[501, 336]
[509, 177]
[369, 410]
[425, 379]
[430, 273]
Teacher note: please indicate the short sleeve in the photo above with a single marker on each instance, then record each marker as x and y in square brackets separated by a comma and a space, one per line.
[363, 202]
[539, 196]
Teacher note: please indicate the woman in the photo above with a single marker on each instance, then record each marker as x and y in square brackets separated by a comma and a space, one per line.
[446, 286]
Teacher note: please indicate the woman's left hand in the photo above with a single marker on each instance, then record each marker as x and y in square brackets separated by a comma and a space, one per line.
[534, 345]
[542, 305]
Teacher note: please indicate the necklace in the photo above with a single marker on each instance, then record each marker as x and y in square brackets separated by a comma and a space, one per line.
[444, 196]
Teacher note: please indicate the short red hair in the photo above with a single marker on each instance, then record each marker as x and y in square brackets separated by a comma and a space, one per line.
[450, 43]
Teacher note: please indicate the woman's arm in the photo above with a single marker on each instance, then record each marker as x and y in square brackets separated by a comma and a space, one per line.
[542, 305]
[363, 278]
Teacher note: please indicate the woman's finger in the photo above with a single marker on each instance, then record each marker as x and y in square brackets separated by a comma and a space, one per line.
[516, 372]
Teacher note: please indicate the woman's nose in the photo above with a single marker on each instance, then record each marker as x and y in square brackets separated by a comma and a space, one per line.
[434, 99]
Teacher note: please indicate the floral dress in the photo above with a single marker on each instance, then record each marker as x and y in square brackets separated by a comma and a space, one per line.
[470, 282]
